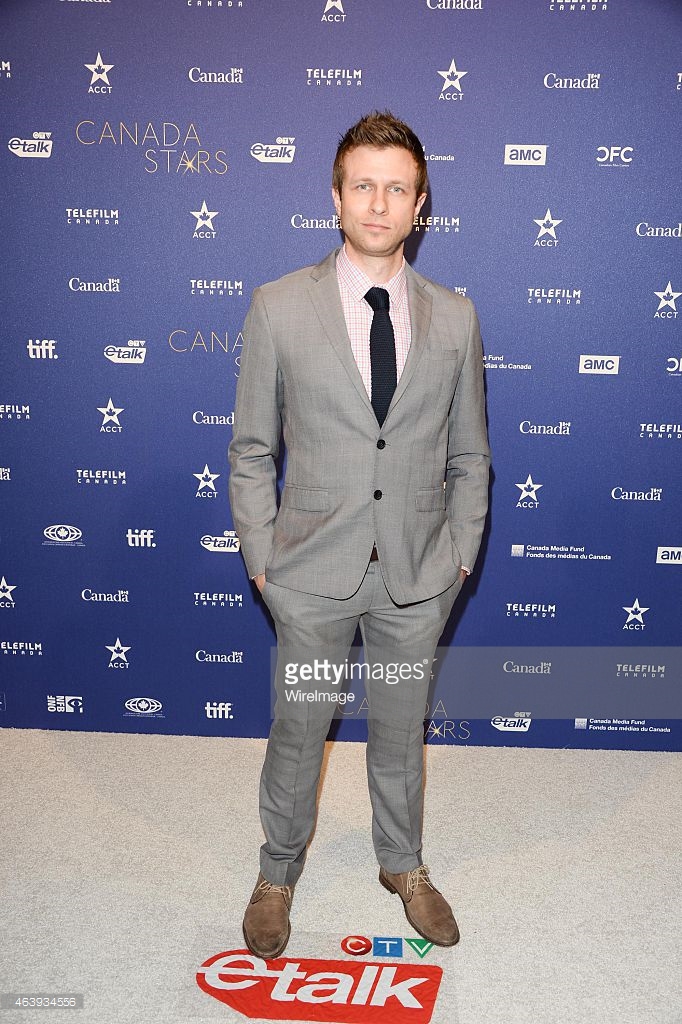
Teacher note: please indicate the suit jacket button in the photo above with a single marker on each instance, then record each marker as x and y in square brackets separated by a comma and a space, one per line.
[377, 495]
[381, 444]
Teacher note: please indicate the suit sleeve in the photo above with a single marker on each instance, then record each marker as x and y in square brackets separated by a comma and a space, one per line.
[466, 479]
[255, 439]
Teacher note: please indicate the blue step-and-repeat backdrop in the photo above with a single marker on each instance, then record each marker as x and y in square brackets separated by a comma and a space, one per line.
[160, 159]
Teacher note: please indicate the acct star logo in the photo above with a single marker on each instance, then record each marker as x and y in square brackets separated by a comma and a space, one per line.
[119, 653]
[6, 599]
[207, 488]
[548, 226]
[452, 82]
[204, 226]
[635, 619]
[100, 73]
[110, 415]
[667, 308]
[333, 11]
[529, 493]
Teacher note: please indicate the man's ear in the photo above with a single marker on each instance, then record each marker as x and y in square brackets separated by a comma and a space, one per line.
[420, 202]
[337, 202]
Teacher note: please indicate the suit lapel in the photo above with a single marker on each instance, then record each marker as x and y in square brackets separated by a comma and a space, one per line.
[326, 299]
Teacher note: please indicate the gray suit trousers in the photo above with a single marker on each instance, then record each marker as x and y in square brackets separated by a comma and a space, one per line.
[293, 760]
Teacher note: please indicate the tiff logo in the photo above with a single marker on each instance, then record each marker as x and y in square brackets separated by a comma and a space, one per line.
[218, 709]
[41, 349]
[140, 539]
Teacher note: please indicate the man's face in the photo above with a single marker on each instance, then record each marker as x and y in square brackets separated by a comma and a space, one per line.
[378, 201]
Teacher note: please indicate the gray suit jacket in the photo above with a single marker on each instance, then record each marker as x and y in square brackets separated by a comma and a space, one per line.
[417, 486]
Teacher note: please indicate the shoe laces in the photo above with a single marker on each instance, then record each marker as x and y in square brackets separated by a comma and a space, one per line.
[267, 887]
[417, 876]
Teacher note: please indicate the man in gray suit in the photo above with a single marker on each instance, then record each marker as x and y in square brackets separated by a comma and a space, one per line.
[373, 375]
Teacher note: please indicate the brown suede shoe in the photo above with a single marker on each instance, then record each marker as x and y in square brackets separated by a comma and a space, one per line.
[427, 911]
[266, 921]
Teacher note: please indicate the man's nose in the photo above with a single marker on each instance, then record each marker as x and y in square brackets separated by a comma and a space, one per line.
[379, 204]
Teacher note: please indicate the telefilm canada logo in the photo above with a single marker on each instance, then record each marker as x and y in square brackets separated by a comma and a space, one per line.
[439, 224]
[22, 648]
[334, 76]
[578, 6]
[204, 599]
[113, 477]
[215, 287]
[96, 216]
[14, 411]
[556, 296]
[212, 5]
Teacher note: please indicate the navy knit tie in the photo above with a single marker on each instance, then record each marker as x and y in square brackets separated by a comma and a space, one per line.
[382, 353]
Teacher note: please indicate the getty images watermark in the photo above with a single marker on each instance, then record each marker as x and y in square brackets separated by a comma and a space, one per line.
[338, 683]
[477, 682]
[325, 672]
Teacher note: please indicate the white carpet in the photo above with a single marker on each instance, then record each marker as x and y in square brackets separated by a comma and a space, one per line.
[127, 861]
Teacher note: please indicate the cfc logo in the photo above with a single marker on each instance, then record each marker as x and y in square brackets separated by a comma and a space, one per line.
[614, 156]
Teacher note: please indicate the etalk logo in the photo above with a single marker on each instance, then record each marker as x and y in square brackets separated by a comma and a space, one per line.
[342, 991]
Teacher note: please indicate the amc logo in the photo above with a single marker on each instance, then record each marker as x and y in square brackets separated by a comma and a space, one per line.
[342, 991]
[525, 156]
[669, 556]
[599, 364]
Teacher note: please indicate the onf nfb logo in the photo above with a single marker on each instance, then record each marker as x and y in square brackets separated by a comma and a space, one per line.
[342, 991]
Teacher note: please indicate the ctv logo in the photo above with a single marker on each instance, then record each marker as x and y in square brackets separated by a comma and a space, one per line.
[343, 991]
[388, 946]
[599, 364]
[525, 156]
[614, 156]
[666, 556]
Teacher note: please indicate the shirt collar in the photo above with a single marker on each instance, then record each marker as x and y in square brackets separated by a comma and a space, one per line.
[358, 283]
